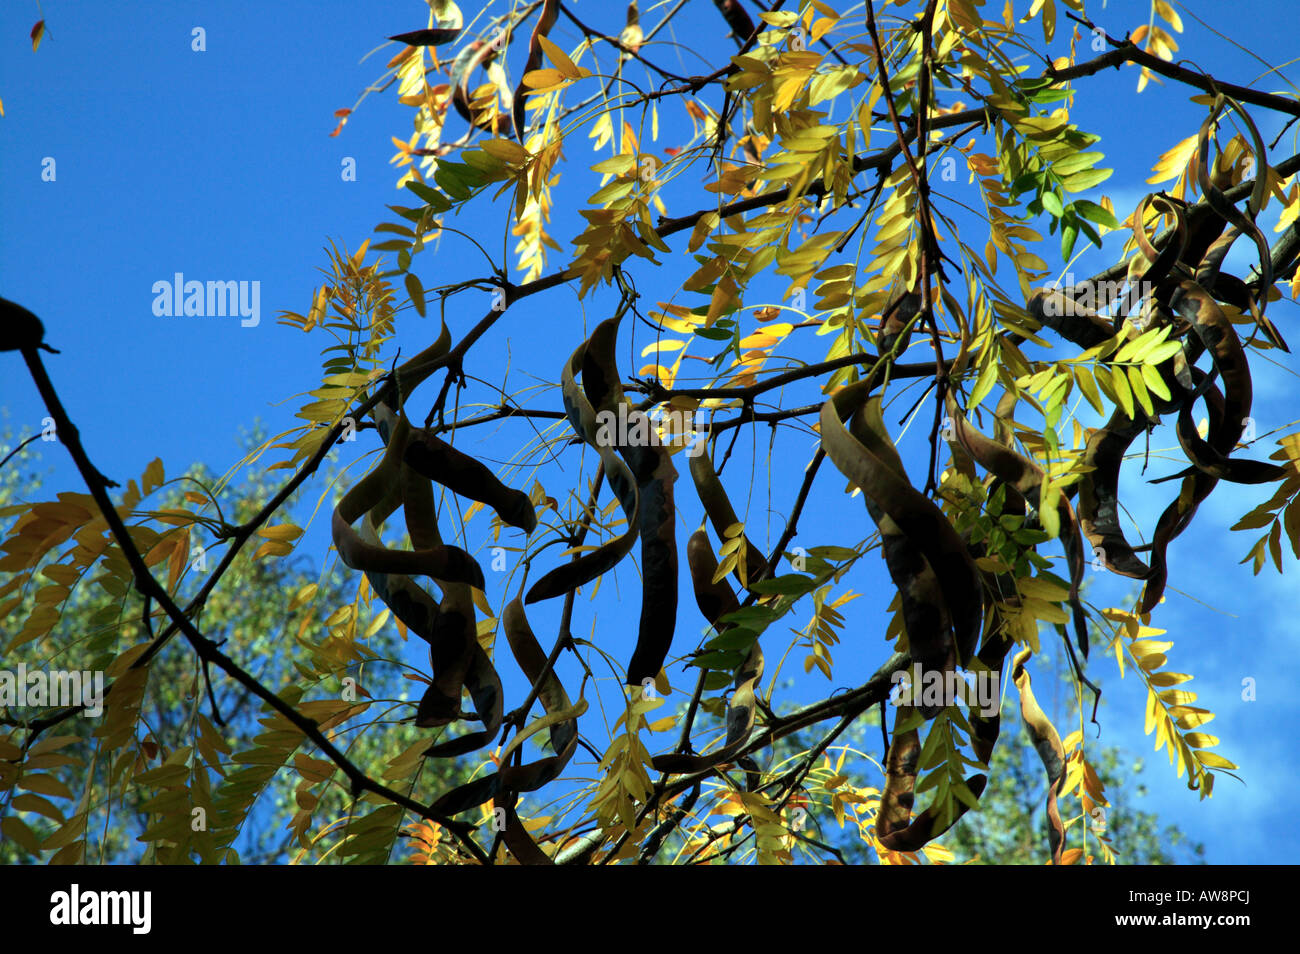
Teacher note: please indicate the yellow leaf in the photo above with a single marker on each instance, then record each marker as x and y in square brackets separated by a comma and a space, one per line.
[566, 66]
[1042, 589]
[153, 475]
[14, 827]
[416, 291]
[302, 596]
[360, 255]
[284, 532]
[272, 548]
[44, 785]
[1213, 760]
[543, 78]
[507, 150]
[1043, 610]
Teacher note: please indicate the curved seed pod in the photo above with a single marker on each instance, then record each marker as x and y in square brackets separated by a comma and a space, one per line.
[600, 380]
[1176, 517]
[651, 466]
[1099, 494]
[592, 564]
[1225, 287]
[1233, 291]
[716, 600]
[897, 323]
[456, 661]
[742, 27]
[1163, 262]
[1048, 745]
[1230, 213]
[1054, 309]
[462, 474]
[925, 612]
[658, 580]
[474, 55]
[409, 602]
[1025, 476]
[561, 718]
[1206, 458]
[19, 328]
[1172, 522]
[1208, 271]
[896, 830]
[1210, 463]
[916, 516]
[545, 20]
[455, 654]
[1207, 319]
[516, 836]
[442, 562]
[561, 715]
[717, 506]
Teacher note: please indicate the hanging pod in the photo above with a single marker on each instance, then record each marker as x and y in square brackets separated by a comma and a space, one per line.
[641, 475]
[1047, 742]
[1025, 476]
[715, 601]
[915, 515]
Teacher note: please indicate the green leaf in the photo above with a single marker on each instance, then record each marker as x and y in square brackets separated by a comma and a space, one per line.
[792, 584]
[732, 639]
[1076, 162]
[1069, 235]
[432, 197]
[833, 553]
[446, 176]
[726, 660]
[1096, 213]
[1082, 181]
[713, 334]
[750, 614]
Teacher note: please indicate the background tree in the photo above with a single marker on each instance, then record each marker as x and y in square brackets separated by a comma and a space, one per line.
[818, 247]
[252, 624]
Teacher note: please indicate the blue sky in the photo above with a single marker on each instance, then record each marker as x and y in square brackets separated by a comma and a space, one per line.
[218, 164]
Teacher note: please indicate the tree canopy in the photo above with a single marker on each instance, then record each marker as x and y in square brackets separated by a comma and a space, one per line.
[828, 271]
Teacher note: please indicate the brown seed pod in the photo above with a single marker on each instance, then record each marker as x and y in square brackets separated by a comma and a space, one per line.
[19, 328]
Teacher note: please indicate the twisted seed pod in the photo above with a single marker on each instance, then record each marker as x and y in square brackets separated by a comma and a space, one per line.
[916, 515]
[644, 488]
[545, 20]
[440, 562]
[1048, 745]
[717, 506]
[463, 475]
[715, 601]
[593, 563]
